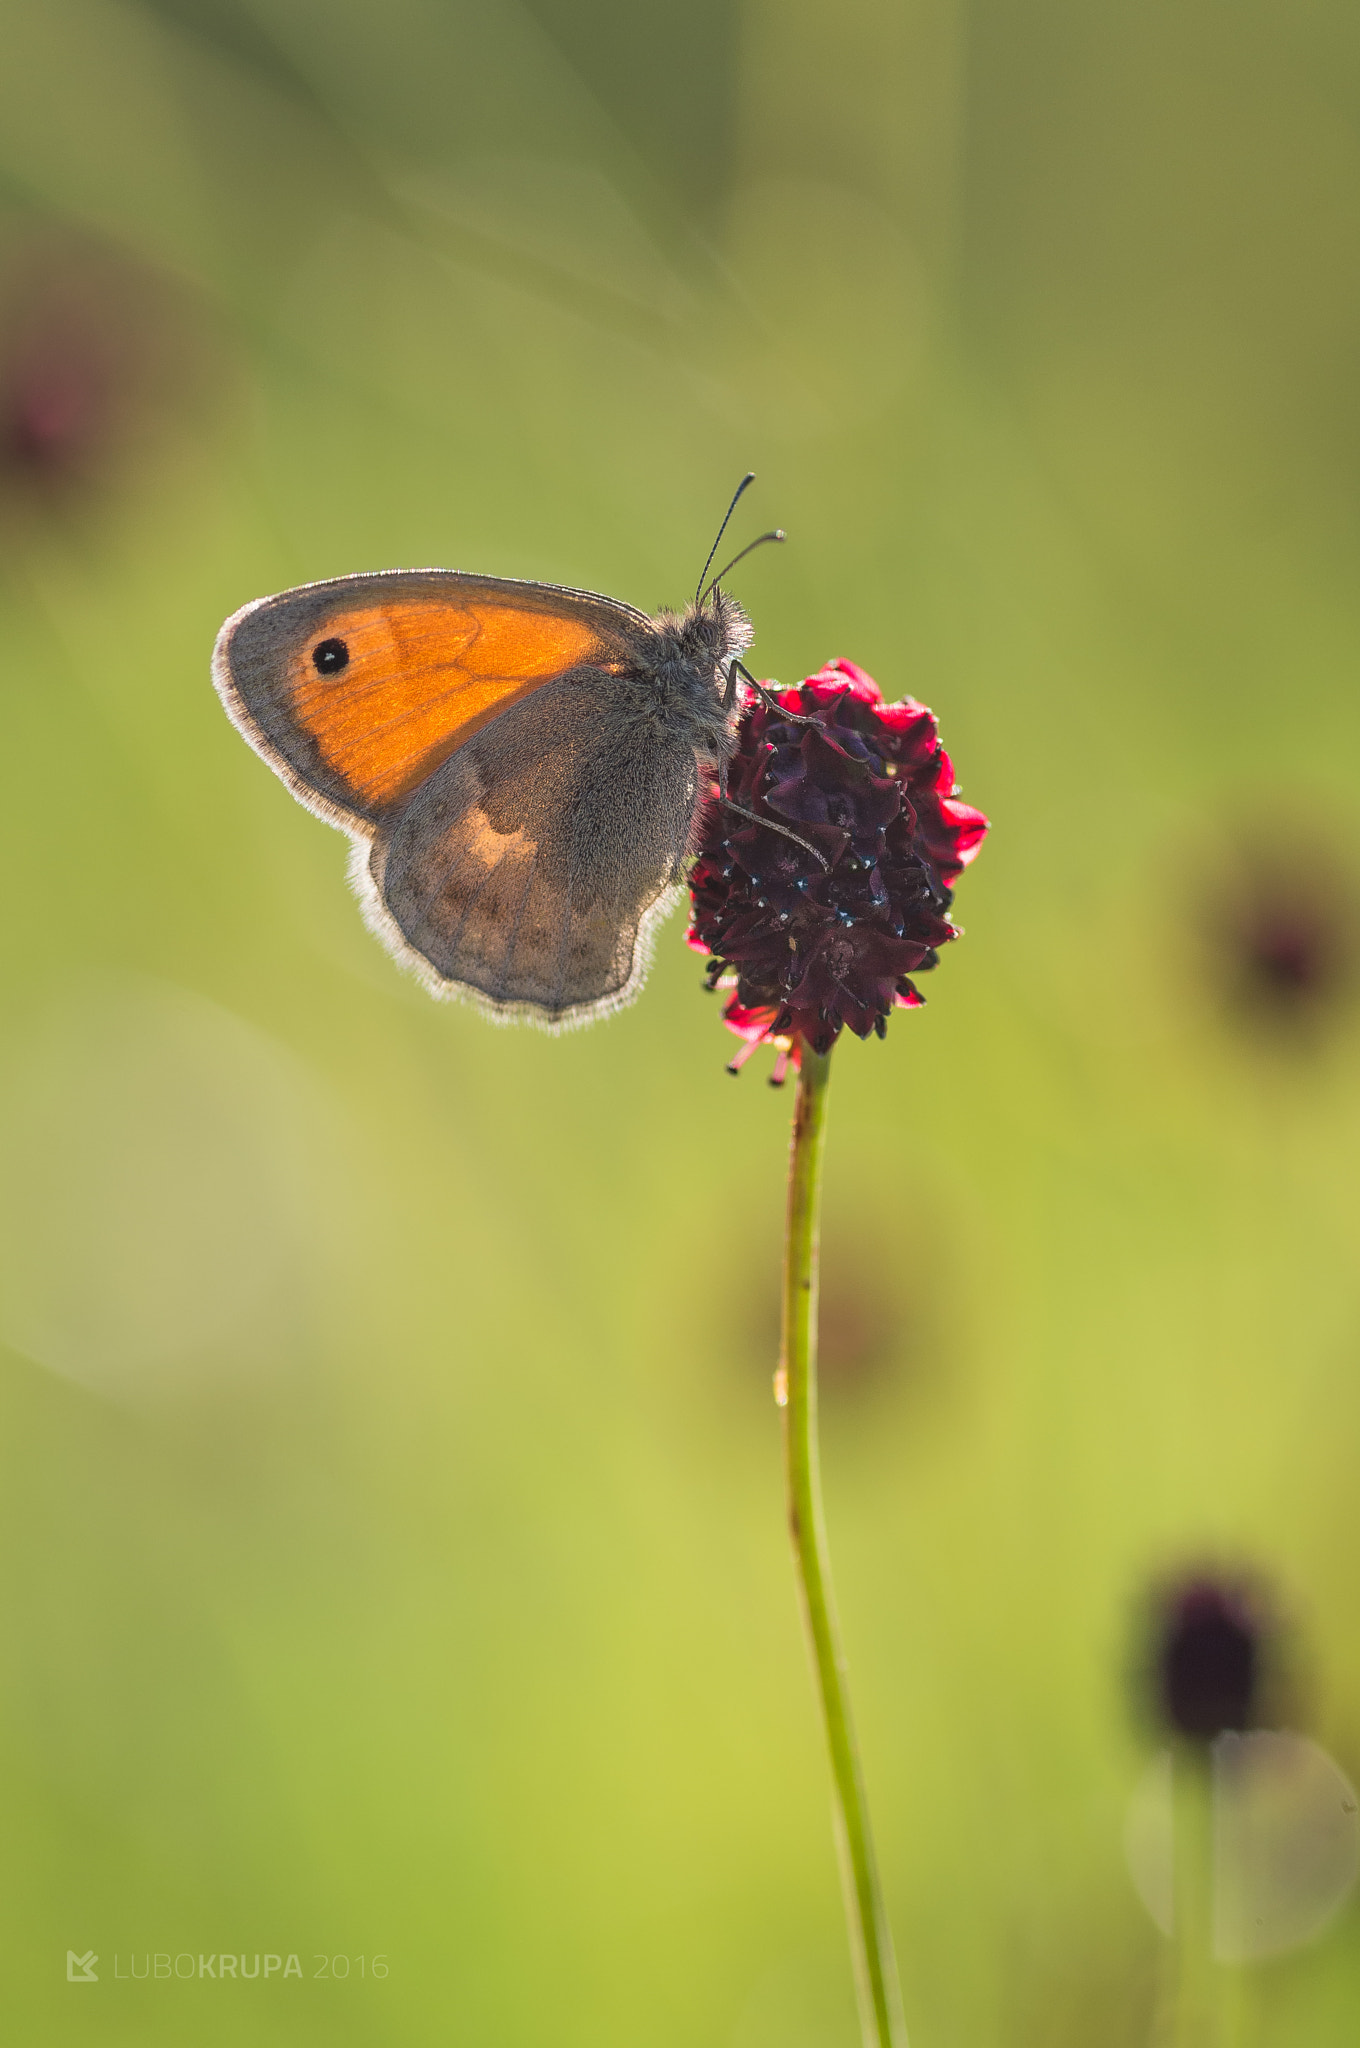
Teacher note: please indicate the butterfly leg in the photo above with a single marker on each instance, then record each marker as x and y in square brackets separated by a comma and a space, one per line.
[736, 669]
[739, 668]
[769, 824]
[782, 830]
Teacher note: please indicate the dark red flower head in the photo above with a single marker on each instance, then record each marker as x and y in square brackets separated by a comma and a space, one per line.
[826, 911]
[1208, 1640]
[94, 352]
[1286, 935]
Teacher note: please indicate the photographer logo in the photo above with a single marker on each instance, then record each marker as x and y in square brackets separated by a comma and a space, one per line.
[167, 1968]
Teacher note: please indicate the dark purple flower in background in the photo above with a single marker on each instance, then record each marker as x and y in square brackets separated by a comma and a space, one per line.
[54, 403]
[1210, 1636]
[824, 913]
[1286, 934]
[96, 353]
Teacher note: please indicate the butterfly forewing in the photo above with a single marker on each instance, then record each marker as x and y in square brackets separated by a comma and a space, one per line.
[355, 691]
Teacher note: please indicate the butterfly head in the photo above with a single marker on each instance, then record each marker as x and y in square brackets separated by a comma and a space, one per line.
[682, 676]
[714, 629]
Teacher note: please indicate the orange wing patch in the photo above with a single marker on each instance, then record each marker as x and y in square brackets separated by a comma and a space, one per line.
[421, 677]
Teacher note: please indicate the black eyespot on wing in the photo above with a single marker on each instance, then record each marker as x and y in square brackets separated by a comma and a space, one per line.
[329, 657]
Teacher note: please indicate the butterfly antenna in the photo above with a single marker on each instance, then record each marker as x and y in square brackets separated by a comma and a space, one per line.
[749, 478]
[775, 533]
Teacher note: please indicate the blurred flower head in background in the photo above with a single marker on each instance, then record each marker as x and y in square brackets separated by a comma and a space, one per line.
[1212, 1653]
[1285, 1839]
[96, 354]
[1285, 933]
[824, 929]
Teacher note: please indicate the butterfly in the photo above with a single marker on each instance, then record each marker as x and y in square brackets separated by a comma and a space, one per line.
[519, 766]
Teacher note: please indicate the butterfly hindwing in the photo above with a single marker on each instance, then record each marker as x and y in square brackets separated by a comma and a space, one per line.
[355, 691]
[529, 867]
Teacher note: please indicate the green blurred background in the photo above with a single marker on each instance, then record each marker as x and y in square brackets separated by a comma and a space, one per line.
[393, 1555]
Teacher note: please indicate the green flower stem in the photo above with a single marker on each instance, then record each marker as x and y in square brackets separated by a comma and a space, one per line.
[1192, 1894]
[880, 2001]
[1199, 2009]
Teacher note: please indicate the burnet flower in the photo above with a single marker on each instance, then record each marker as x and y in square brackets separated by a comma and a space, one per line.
[97, 357]
[1209, 1635]
[823, 884]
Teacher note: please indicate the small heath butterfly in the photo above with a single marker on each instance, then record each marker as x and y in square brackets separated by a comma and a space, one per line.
[518, 765]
